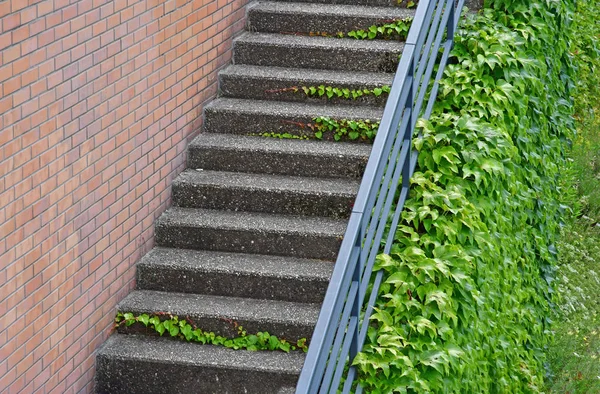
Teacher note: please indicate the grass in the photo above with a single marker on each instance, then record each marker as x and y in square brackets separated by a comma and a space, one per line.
[575, 355]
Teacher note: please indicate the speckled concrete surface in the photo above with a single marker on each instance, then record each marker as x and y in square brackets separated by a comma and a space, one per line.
[234, 274]
[263, 49]
[247, 232]
[229, 152]
[277, 17]
[216, 314]
[265, 193]
[180, 367]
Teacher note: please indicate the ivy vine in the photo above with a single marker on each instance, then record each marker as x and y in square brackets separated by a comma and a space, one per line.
[394, 29]
[470, 280]
[185, 329]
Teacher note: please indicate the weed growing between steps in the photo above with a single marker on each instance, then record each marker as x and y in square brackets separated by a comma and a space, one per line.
[184, 329]
[327, 128]
[469, 283]
[394, 29]
[332, 92]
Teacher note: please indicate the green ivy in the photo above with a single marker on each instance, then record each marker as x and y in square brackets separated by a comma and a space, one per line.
[396, 29]
[469, 282]
[184, 329]
[334, 92]
[345, 129]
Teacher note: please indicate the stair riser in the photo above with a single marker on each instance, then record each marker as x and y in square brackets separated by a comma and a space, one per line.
[230, 284]
[273, 89]
[324, 58]
[224, 326]
[189, 195]
[312, 24]
[275, 163]
[282, 244]
[118, 376]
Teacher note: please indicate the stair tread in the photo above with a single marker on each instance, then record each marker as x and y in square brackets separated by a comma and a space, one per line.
[238, 180]
[259, 222]
[290, 110]
[164, 350]
[236, 142]
[239, 263]
[251, 221]
[210, 306]
[291, 41]
[338, 10]
[297, 76]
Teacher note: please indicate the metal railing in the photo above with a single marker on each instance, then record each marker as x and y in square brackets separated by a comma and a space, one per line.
[341, 329]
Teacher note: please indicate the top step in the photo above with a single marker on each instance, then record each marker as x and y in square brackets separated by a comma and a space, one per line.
[381, 3]
[317, 19]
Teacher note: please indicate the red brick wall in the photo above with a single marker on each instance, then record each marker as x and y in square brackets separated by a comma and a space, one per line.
[98, 99]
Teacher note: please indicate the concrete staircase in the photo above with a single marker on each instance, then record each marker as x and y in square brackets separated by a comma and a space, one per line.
[257, 222]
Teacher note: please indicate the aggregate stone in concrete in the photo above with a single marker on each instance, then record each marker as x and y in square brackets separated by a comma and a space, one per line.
[129, 364]
[278, 17]
[265, 193]
[287, 235]
[228, 152]
[264, 49]
[228, 115]
[234, 274]
[285, 319]
[278, 83]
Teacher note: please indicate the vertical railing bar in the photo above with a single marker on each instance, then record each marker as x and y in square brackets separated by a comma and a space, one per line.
[344, 353]
[425, 50]
[371, 229]
[386, 125]
[316, 357]
[369, 309]
[438, 77]
[337, 344]
[349, 380]
[389, 199]
[375, 232]
[432, 60]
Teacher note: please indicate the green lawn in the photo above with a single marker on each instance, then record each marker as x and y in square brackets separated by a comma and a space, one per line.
[575, 355]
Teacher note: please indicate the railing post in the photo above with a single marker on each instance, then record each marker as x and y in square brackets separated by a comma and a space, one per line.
[354, 345]
[412, 120]
[451, 28]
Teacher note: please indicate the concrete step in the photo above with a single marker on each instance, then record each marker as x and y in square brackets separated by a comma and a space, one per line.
[291, 18]
[265, 49]
[234, 274]
[238, 191]
[230, 152]
[245, 232]
[376, 3]
[285, 84]
[130, 364]
[221, 315]
[238, 116]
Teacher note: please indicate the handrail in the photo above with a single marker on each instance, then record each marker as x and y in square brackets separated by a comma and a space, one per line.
[341, 329]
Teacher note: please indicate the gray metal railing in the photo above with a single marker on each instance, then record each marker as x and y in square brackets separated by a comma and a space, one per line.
[342, 325]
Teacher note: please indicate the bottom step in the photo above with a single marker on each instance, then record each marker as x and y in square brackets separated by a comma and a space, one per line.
[131, 364]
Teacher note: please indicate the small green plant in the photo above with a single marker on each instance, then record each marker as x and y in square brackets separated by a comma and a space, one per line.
[334, 92]
[331, 92]
[345, 128]
[185, 329]
[396, 29]
[284, 136]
